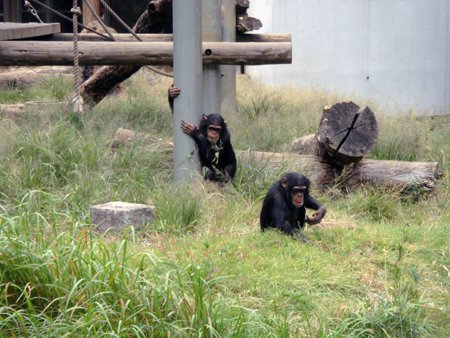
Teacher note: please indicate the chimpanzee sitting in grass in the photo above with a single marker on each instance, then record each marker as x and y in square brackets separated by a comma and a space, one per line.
[284, 206]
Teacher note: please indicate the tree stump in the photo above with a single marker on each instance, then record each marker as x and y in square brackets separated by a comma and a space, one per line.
[344, 136]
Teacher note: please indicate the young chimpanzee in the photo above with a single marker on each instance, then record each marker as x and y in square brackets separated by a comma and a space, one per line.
[214, 147]
[213, 143]
[284, 206]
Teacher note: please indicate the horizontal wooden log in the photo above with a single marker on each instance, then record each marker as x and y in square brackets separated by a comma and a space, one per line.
[378, 173]
[122, 37]
[32, 53]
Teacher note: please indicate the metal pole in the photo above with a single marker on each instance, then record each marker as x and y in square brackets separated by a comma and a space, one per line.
[228, 90]
[187, 75]
[212, 31]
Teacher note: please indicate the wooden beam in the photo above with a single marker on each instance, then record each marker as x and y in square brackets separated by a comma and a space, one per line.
[15, 31]
[123, 37]
[32, 53]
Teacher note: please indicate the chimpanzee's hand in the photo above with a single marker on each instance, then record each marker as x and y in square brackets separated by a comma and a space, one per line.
[189, 128]
[173, 91]
[316, 216]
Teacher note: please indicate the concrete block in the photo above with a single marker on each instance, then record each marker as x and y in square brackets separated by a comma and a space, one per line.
[120, 215]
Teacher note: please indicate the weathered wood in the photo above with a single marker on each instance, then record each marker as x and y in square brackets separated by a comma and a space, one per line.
[88, 16]
[25, 78]
[32, 53]
[247, 23]
[378, 173]
[125, 137]
[19, 79]
[347, 133]
[242, 6]
[306, 145]
[157, 18]
[123, 37]
[16, 31]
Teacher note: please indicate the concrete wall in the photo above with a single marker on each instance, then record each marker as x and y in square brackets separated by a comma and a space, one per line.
[396, 52]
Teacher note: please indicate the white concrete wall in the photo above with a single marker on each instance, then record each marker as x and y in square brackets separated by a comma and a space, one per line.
[396, 52]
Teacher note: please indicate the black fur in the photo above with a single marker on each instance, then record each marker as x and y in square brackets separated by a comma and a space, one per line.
[218, 158]
[278, 210]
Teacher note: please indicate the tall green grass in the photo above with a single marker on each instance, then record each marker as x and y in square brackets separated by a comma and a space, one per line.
[377, 266]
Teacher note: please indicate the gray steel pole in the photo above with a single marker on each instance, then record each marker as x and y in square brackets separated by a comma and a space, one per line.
[187, 75]
[212, 31]
[228, 86]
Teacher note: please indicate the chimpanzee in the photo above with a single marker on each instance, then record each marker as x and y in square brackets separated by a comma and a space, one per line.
[213, 143]
[284, 206]
[214, 147]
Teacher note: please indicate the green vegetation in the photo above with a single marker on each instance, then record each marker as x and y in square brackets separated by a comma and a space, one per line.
[378, 265]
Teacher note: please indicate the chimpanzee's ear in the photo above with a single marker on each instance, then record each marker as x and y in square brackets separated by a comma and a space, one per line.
[225, 121]
[204, 118]
[284, 182]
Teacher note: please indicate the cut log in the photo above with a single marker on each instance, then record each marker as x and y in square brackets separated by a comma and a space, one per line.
[246, 24]
[345, 135]
[377, 173]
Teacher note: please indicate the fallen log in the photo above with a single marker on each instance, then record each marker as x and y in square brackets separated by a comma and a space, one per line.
[377, 173]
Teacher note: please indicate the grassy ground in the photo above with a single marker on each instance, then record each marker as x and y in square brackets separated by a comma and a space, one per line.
[378, 265]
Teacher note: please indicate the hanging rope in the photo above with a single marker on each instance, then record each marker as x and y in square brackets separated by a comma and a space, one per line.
[77, 99]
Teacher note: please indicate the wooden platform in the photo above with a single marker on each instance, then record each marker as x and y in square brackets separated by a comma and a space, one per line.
[17, 31]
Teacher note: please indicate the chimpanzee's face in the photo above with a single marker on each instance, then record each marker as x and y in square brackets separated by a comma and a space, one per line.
[298, 196]
[213, 133]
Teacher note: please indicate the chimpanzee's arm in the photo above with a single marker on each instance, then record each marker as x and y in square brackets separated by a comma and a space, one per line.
[205, 152]
[311, 203]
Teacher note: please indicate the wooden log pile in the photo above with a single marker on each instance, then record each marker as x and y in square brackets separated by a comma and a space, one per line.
[157, 18]
[326, 157]
[345, 135]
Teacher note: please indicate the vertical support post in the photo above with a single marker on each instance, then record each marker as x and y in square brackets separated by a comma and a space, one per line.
[212, 31]
[87, 14]
[187, 75]
[228, 90]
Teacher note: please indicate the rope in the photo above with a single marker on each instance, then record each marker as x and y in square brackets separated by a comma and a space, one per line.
[69, 19]
[99, 20]
[33, 11]
[123, 23]
[77, 99]
[109, 9]
[110, 37]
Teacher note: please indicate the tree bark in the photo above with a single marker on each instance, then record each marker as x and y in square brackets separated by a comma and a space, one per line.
[87, 14]
[156, 18]
[139, 53]
[345, 135]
